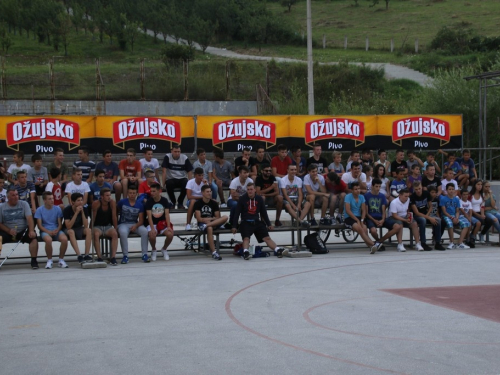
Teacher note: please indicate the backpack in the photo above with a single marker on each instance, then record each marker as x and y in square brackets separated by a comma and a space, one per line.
[260, 254]
[314, 244]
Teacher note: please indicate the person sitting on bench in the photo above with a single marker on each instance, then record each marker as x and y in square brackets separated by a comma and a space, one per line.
[104, 223]
[158, 213]
[76, 226]
[193, 192]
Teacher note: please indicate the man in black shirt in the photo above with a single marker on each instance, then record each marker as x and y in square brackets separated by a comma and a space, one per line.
[318, 160]
[399, 164]
[158, 212]
[207, 214]
[105, 222]
[430, 179]
[248, 161]
[267, 187]
[76, 226]
[254, 220]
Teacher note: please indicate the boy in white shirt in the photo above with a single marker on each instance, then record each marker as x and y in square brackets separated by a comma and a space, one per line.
[193, 193]
[355, 175]
[291, 189]
[18, 165]
[398, 211]
[149, 163]
[77, 185]
[3, 192]
[316, 194]
[448, 178]
[466, 211]
[237, 188]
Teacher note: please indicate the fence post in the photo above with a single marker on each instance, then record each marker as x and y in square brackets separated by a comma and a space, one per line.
[143, 78]
[392, 45]
[3, 80]
[51, 77]
[186, 92]
[268, 89]
[345, 42]
[324, 41]
[228, 87]
[367, 46]
[416, 45]
[97, 80]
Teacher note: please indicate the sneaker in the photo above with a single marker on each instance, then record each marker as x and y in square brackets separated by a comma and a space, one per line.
[246, 255]
[463, 246]
[278, 223]
[62, 264]
[80, 258]
[471, 244]
[188, 226]
[223, 205]
[145, 258]
[180, 207]
[100, 260]
[228, 226]
[381, 248]
[34, 264]
[279, 252]
[401, 248]
[451, 246]
[439, 247]
[49, 264]
[216, 256]
[87, 258]
[339, 219]
[325, 221]
[153, 255]
[113, 262]
[481, 238]
[426, 247]
[419, 247]
[305, 223]
[373, 249]
[125, 259]
[313, 222]
[165, 254]
[202, 227]
[285, 252]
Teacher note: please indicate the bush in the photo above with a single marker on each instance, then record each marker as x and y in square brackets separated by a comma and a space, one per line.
[176, 53]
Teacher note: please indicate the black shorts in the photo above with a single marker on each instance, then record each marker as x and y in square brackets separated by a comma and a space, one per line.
[257, 228]
[7, 237]
[349, 222]
[79, 234]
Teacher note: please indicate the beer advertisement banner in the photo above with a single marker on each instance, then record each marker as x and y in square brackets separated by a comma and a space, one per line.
[43, 134]
[232, 134]
[420, 131]
[342, 133]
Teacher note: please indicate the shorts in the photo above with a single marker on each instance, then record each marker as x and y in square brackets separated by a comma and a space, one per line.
[162, 229]
[270, 202]
[388, 224]
[257, 228]
[54, 238]
[293, 199]
[462, 222]
[78, 233]
[318, 202]
[7, 237]
[103, 228]
[349, 222]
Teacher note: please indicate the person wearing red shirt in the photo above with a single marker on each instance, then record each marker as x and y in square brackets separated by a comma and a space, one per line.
[280, 163]
[145, 186]
[130, 171]
[337, 189]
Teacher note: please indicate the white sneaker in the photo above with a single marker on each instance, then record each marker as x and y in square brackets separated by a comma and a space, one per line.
[481, 238]
[401, 247]
[188, 226]
[451, 246]
[49, 264]
[419, 247]
[153, 255]
[463, 246]
[165, 255]
[223, 205]
[62, 264]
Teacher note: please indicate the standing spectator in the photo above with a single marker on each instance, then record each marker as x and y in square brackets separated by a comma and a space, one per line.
[399, 164]
[149, 163]
[280, 163]
[38, 174]
[299, 161]
[76, 226]
[158, 213]
[176, 172]
[267, 187]
[206, 165]
[222, 171]
[95, 187]
[78, 186]
[246, 160]
[17, 166]
[54, 186]
[26, 190]
[111, 173]
[49, 219]
[317, 159]
[86, 166]
[193, 191]
[15, 218]
[130, 172]
[61, 165]
[104, 223]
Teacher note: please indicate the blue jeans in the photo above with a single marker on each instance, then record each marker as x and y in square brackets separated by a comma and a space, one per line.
[231, 203]
[436, 229]
[495, 217]
[215, 190]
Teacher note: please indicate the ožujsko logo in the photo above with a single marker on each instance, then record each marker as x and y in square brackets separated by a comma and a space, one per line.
[145, 127]
[42, 129]
[244, 129]
[412, 127]
[335, 127]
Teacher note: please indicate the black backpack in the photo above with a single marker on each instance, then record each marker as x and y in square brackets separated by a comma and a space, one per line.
[314, 244]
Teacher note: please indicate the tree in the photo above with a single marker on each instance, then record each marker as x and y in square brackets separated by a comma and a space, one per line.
[206, 33]
[288, 4]
[132, 31]
[5, 40]
[63, 30]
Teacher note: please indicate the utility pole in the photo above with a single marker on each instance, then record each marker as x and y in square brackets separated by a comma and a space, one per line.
[310, 77]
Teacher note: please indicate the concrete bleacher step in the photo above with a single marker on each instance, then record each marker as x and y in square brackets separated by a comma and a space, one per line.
[92, 265]
[292, 253]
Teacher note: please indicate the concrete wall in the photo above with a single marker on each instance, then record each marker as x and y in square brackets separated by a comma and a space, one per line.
[119, 108]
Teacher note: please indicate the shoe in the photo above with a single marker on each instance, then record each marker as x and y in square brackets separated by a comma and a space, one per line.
[216, 256]
[471, 244]
[145, 258]
[188, 226]
[228, 226]
[381, 248]
[49, 264]
[223, 205]
[278, 223]
[439, 247]
[426, 247]
[153, 255]
[305, 223]
[419, 247]
[165, 254]
[62, 264]
[34, 264]
[180, 207]
[87, 258]
[401, 248]
[279, 252]
[125, 259]
[100, 260]
[339, 219]
[481, 238]
[202, 227]
[246, 255]
[313, 222]
[113, 262]
[80, 258]
[451, 246]
[325, 221]
[463, 246]
[373, 249]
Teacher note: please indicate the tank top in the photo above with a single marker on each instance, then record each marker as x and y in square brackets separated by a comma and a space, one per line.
[103, 218]
[476, 204]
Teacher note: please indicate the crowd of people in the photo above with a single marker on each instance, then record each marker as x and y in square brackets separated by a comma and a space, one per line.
[365, 195]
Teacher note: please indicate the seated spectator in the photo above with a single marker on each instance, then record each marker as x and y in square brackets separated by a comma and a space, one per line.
[466, 211]
[26, 190]
[61, 165]
[77, 185]
[158, 213]
[207, 215]
[291, 189]
[354, 158]
[131, 219]
[267, 187]
[355, 175]
[450, 211]
[316, 194]
[206, 165]
[379, 172]
[145, 186]
[38, 174]
[3, 191]
[398, 184]
[193, 191]
[149, 163]
[337, 189]
[17, 224]
[431, 180]
[85, 165]
[399, 164]
[382, 159]
[398, 209]
[413, 159]
[111, 173]
[222, 173]
[130, 172]
[105, 223]
[261, 158]
[280, 163]
[76, 226]
[368, 171]
[254, 220]
[336, 166]
[17, 166]
[366, 157]
[448, 179]
[238, 187]
[478, 211]
[176, 173]
[431, 161]
[317, 159]
[49, 219]
[299, 161]
[246, 160]
[413, 177]
[54, 186]
[468, 166]
[97, 186]
[458, 175]
[490, 205]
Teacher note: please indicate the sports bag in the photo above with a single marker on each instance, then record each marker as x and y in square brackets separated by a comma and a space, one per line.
[314, 244]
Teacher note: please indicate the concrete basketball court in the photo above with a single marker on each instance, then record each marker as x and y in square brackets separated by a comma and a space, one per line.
[346, 312]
